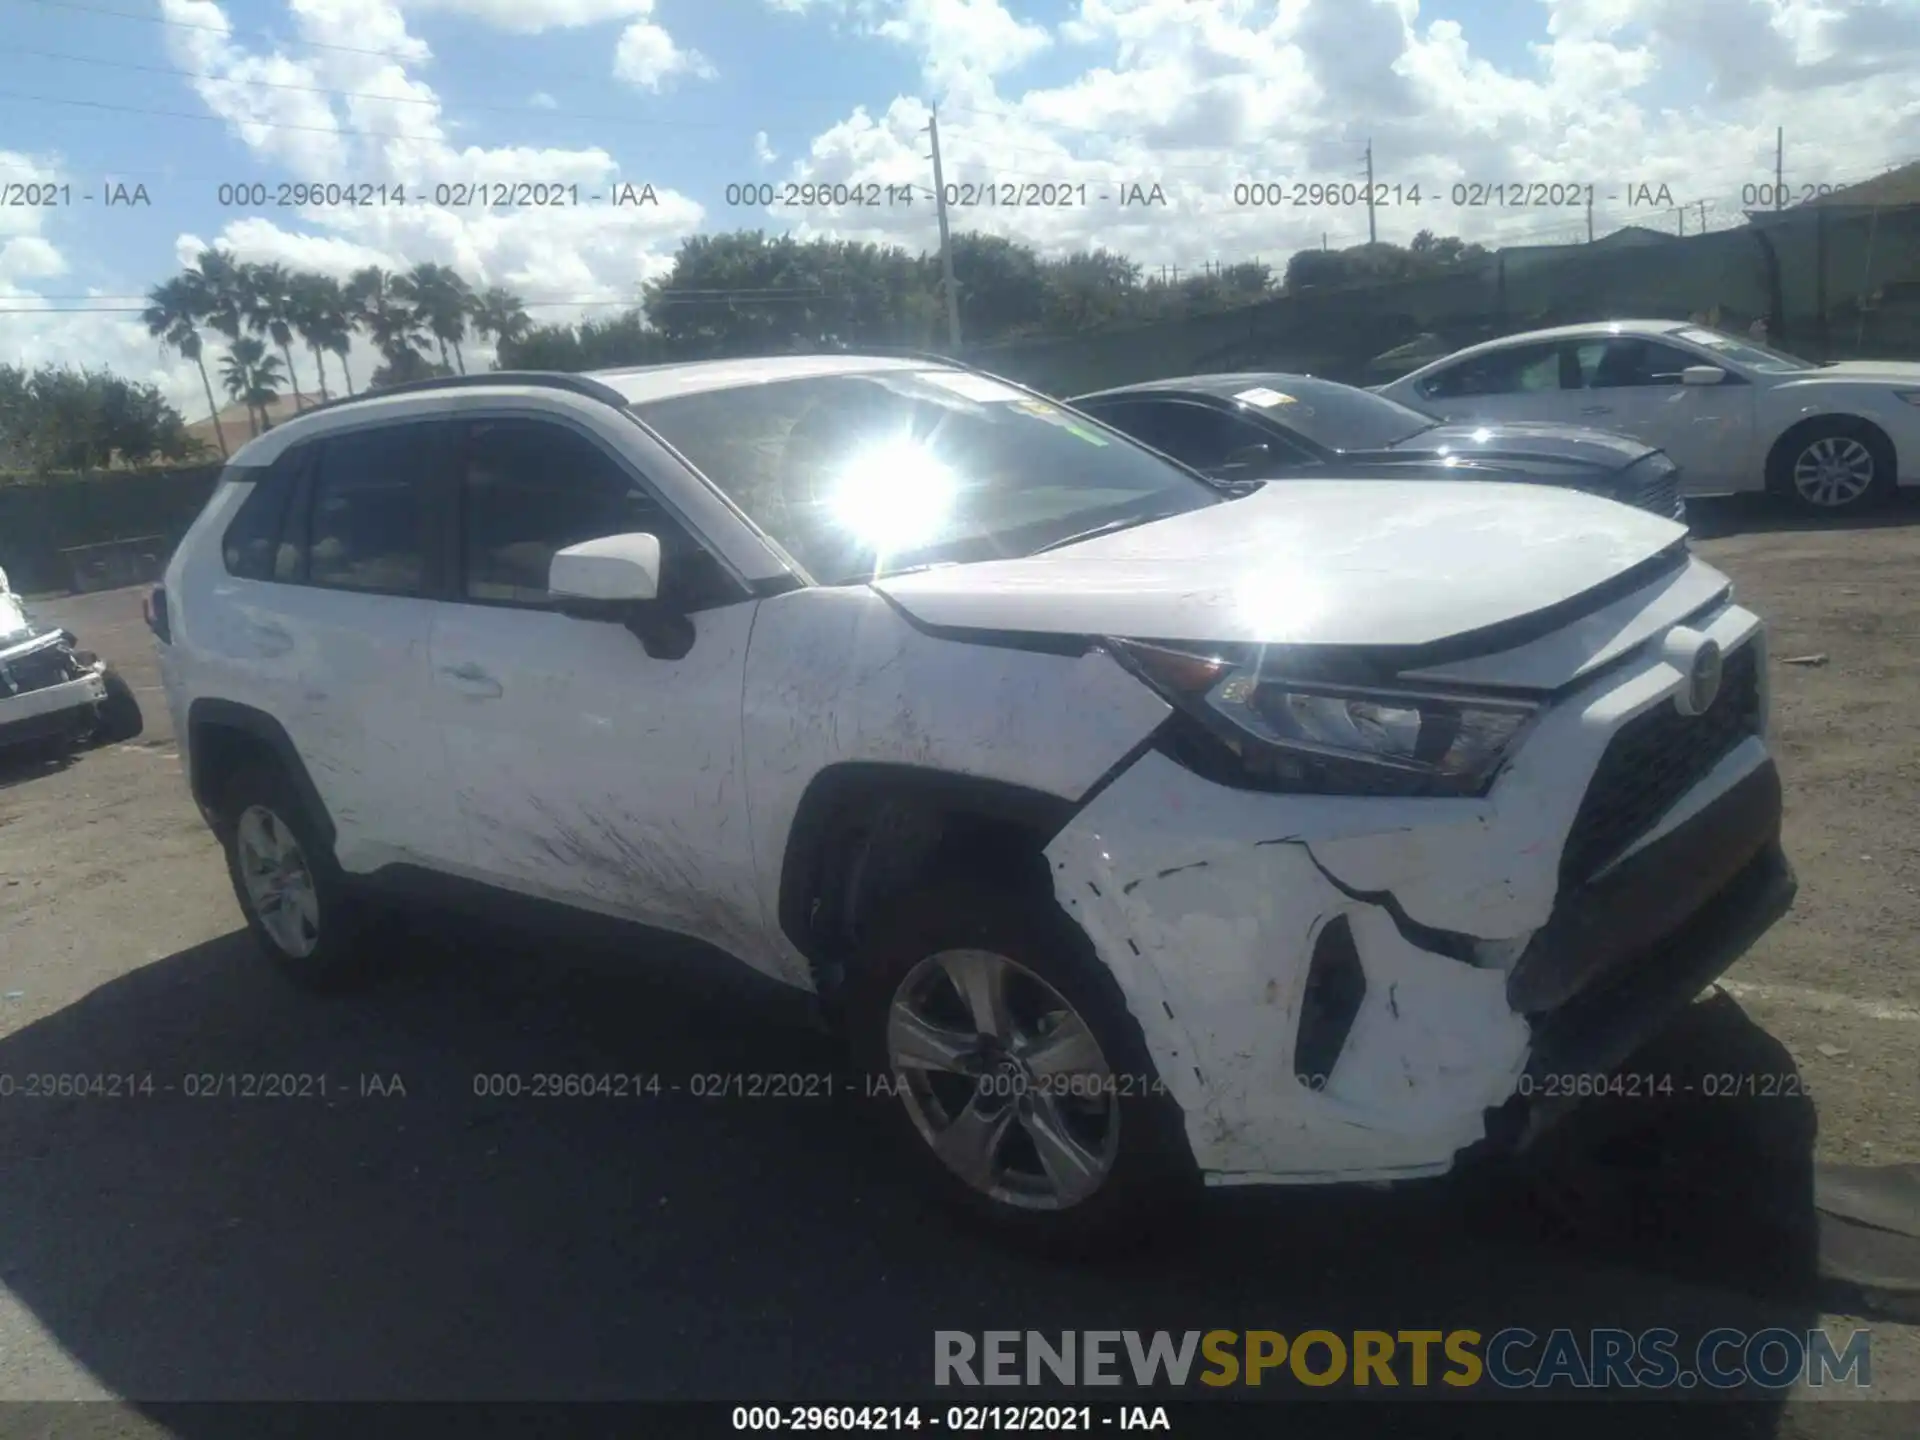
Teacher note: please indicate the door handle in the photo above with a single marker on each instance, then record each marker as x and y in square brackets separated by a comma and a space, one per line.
[1596, 410]
[475, 681]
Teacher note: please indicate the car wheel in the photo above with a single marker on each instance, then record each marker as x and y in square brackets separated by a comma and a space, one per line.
[1004, 1059]
[117, 719]
[1833, 467]
[295, 898]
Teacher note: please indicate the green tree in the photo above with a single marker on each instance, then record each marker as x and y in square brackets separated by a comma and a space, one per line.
[500, 316]
[253, 377]
[61, 418]
[220, 291]
[390, 322]
[1002, 285]
[442, 301]
[173, 316]
[625, 339]
[270, 305]
[316, 312]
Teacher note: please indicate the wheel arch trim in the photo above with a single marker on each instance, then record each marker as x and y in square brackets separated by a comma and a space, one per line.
[207, 714]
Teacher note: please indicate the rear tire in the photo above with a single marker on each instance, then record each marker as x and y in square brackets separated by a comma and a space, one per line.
[1833, 467]
[298, 904]
[117, 719]
[1079, 1149]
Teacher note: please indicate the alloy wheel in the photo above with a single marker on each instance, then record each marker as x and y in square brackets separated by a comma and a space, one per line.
[278, 880]
[1004, 1080]
[1833, 471]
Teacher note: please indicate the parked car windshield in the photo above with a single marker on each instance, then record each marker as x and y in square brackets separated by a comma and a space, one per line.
[1336, 417]
[869, 474]
[1746, 352]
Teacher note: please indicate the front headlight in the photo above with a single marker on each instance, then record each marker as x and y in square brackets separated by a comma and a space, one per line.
[1287, 733]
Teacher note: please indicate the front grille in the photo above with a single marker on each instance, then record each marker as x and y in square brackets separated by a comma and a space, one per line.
[1654, 760]
[35, 670]
[1659, 494]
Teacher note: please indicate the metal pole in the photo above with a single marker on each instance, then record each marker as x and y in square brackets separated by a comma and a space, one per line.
[946, 240]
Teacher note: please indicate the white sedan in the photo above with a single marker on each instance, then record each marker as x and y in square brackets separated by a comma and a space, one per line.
[1731, 413]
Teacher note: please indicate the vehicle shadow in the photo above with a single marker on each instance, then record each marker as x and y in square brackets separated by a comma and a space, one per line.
[376, 1226]
[1712, 517]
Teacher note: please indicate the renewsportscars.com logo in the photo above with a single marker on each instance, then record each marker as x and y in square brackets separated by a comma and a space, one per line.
[1510, 1359]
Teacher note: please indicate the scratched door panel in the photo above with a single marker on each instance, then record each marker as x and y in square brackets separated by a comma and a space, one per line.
[586, 771]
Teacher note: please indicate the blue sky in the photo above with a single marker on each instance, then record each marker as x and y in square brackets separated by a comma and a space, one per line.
[181, 96]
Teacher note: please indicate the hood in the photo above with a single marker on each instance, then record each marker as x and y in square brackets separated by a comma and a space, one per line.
[1893, 372]
[1311, 562]
[1540, 450]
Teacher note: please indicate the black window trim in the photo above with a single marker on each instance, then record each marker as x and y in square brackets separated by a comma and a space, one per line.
[453, 510]
[255, 478]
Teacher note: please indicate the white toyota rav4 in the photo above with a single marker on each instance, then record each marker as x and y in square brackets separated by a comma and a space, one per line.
[1134, 828]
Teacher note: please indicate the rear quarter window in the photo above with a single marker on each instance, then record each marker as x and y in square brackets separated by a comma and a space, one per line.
[253, 535]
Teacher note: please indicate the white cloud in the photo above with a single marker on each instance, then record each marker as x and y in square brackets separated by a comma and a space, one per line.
[525, 18]
[540, 100]
[1199, 96]
[647, 56]
[1192, 95]
[573, 252]
[957, 38]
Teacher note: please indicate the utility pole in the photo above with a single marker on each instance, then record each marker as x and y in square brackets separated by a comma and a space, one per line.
[1703, 217]
[1373, 231]
[1682, 212]
[946, 240]
[1589, 215]
[1779, 167]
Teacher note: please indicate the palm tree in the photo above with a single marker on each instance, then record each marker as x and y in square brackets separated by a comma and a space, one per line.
[311, 299]
[219, 284]
[332, 317]
[499, 315]
[172, 316]
[253, 377]
[443, 302]
[270, 304]
[391, 323]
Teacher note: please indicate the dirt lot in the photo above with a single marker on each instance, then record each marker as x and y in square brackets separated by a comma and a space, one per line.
[433, 1244]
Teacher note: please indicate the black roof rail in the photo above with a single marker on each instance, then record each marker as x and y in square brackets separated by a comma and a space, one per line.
[553, 379]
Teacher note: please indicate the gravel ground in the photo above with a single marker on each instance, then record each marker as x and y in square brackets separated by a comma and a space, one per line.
[432, 1244]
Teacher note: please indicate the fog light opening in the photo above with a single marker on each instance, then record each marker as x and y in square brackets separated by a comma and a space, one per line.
[1336, 986]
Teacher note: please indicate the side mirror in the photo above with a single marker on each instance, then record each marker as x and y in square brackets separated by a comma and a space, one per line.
[613, 568]
[617, 577]
[1702, 375]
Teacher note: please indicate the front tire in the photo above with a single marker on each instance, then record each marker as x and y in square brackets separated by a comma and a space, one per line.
[1009, 1069]
[117, 719]
[1833, 467]
[298, 905]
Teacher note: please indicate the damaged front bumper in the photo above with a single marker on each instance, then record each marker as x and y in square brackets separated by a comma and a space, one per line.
[1344, 989]
[45, 691]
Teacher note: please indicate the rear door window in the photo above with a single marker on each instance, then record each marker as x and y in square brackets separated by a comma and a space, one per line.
[367, 529]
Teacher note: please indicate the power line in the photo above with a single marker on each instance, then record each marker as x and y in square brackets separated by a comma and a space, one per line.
[362, 94]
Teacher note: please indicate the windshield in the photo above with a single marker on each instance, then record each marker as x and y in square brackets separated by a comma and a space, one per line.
[1746, 352]
[1336, 417]
[863, 475]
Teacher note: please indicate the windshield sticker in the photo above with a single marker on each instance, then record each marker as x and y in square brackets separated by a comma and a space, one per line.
[1266, 399]
[969, 386]
[1040, 410]
[1703, 337]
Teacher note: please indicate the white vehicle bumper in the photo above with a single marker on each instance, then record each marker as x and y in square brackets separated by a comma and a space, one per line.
[1215, 906]
[35, 713]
